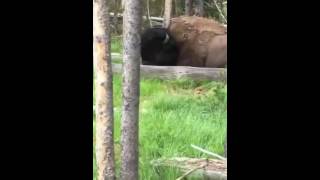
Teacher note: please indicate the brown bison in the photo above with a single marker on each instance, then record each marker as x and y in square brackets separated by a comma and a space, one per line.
[188, 41]
[202, 42]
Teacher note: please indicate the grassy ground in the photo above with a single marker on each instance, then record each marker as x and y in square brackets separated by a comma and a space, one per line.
[173, 115]
[116, 44]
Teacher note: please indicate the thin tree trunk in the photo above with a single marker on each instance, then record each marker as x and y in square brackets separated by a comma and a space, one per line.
[104, 104]
[115, 18]
[148, 13]
[130, 92]
[173, 13]
[177, 7]
[188, 7]
[199, 8]
[167, 13]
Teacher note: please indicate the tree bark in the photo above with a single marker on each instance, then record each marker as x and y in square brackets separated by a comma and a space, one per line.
[188, 7]
[199, 8]
[167, 13]
[104, 93]
[130, 92]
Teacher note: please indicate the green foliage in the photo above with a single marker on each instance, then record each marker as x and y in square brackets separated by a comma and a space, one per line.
[116, 44]
[173, 115]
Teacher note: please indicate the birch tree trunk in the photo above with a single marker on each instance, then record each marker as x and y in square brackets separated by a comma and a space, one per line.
[104, 104]
[167, 13]
[131, 90]
[188, 7]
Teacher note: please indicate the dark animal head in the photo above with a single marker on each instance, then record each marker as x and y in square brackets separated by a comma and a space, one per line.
[158, 48]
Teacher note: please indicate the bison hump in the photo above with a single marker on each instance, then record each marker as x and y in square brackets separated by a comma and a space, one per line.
[199, 24]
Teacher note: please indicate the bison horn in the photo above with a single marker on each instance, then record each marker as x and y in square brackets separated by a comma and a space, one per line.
[166, 39]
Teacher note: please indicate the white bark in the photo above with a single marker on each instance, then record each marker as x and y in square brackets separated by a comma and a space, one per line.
[167, 13]
[104, 104]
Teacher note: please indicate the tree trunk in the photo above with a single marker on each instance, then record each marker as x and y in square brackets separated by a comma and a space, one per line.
[131, 77]
[199, 8]
[167, 13]
[148, 13]
[178, 7]
[173, 13]
[104, 104]
[188, 7]
[115, 17]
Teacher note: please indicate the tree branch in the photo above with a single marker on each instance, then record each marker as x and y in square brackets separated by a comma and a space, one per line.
[208, 152]
[224, 18]
[189, 172]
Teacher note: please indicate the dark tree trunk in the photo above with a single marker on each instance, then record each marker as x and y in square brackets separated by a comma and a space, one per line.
[199, 8]
[188, 7]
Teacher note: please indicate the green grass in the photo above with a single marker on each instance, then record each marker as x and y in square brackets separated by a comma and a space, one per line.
[116, 44]
[172, 116]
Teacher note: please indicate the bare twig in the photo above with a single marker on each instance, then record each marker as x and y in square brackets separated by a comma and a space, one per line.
[189, 172]
[224, 18]
[208, 152]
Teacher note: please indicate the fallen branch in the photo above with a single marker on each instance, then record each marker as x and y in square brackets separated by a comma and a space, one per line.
[208, 152]
[211, 169]
[179, 72]
[189, 172]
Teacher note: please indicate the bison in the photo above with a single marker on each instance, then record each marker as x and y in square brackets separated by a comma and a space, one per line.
[188, 41]
[158, 48]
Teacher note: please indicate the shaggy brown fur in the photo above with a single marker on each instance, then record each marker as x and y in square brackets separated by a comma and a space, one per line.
[202, 42]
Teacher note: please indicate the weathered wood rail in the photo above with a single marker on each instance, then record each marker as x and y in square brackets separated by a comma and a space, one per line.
[178, 72]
